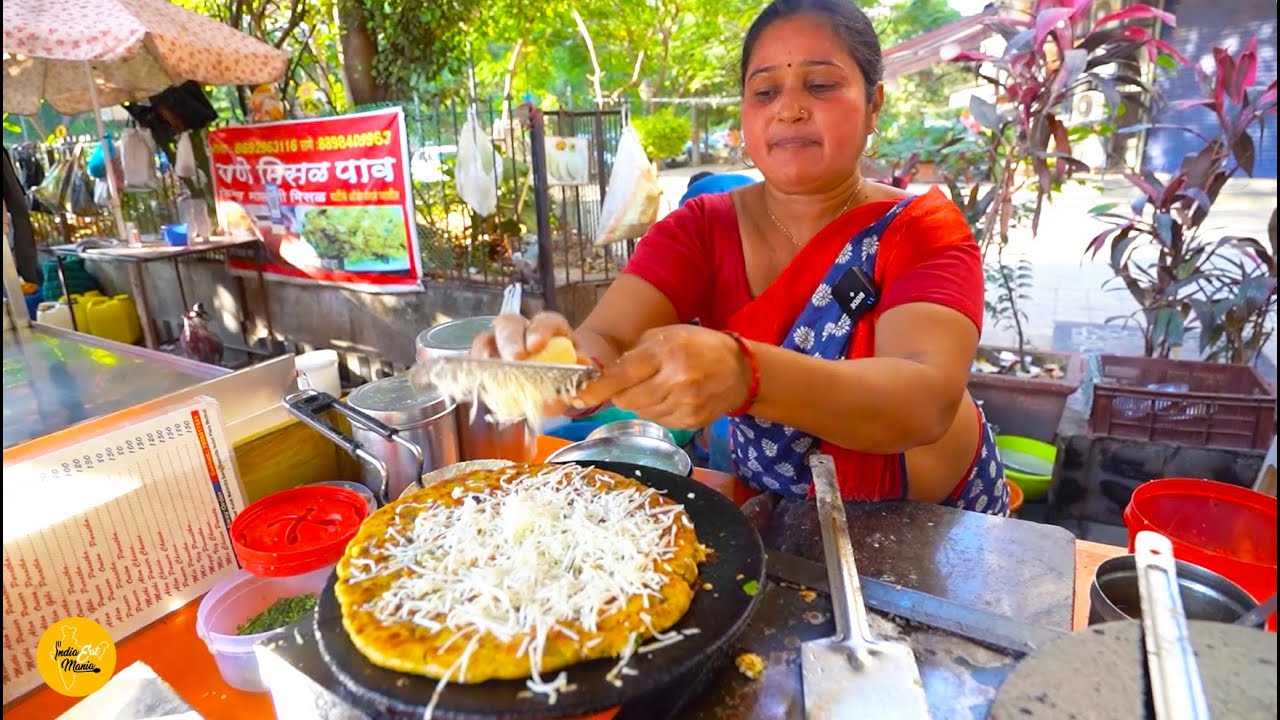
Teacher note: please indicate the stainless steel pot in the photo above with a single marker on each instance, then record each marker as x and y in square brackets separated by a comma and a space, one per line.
[1206, 595]
[397, 435]
[478, 439]
[425, 419]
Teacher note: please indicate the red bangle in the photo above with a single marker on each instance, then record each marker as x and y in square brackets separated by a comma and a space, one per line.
[753, 390]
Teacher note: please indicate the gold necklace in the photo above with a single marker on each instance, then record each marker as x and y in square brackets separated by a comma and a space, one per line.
[856, 190]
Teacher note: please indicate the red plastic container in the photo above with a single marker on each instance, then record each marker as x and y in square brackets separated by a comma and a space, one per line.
[296, 531]
[1227, 529]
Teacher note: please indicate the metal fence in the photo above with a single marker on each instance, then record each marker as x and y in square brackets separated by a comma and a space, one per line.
[461, 246]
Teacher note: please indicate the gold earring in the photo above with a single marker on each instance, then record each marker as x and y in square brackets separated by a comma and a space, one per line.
[871, 151]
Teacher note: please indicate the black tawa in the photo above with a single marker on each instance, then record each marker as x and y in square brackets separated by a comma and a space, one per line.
[720, 614]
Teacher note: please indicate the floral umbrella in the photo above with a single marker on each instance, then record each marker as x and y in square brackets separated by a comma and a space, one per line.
[133, 49]
[82, 55]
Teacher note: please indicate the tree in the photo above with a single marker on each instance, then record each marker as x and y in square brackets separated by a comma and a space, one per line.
[354, 52]
[305, 29]
[680, 47]
[391, 49]
[897, 22]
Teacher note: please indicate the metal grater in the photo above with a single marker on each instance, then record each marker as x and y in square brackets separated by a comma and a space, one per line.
[549, 379]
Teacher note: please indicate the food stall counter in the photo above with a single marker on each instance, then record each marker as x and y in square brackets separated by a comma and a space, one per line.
[55, 378]
[172, 648]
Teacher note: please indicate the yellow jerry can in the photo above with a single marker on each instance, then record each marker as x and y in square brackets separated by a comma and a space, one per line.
[114, 318]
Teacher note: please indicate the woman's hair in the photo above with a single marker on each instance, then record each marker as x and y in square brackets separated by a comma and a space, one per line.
[850, 25]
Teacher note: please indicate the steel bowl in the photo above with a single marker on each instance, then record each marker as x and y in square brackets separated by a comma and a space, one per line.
[632, 428]
[1206, 595]
[634, 449]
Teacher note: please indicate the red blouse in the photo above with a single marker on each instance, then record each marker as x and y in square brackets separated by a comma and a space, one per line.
[927, 254]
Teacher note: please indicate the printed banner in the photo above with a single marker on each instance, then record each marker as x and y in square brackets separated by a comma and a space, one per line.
[329, 197]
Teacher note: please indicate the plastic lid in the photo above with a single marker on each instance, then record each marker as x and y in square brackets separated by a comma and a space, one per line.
[455, 334]
[394, 396]
[296, 531]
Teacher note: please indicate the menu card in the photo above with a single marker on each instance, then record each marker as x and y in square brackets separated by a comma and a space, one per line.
[123, 528]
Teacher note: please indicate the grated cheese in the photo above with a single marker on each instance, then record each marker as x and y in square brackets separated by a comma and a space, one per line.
[547, 555]
[510, 396]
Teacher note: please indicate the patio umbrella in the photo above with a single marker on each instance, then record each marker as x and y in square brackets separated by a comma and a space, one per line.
[82, 55]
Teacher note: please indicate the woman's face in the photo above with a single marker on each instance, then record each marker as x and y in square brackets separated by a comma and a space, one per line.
[805, 116]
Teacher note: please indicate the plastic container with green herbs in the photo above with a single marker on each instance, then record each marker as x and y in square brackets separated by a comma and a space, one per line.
[282, 612]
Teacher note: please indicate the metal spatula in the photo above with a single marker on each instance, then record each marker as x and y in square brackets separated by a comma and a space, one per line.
[853, 675]
[1177, 691]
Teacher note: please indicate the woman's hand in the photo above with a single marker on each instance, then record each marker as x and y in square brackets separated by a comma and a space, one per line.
[515, 338]
[680, 376]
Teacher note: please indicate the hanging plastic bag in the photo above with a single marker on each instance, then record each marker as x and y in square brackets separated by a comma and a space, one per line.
[631, 199]
[98, 162]
[49, 194]
[79, 195]
[101, 194]
[138, 155]
[184, 159]
[476, 173]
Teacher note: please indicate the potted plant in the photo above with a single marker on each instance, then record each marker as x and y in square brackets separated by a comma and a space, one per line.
[1185, 274]
[1184, 279]
[917, 150]
[1047, 58]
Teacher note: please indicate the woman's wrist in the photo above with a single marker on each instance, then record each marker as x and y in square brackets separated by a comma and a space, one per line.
[750, 369]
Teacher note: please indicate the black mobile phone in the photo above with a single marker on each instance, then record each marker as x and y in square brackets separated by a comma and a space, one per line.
[856, 293]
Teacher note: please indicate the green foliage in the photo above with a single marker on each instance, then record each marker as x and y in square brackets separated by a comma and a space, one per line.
[1048, 57]
[1008, 291]
[451, 236]
[417, 42]
[940, 139]
[398, 49]
[901, 21]
[307, 30]
[662, 134]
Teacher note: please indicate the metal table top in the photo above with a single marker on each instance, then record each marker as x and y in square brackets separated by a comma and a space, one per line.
[54, 379]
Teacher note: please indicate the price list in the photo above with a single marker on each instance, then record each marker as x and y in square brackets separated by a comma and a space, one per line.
[122, 528]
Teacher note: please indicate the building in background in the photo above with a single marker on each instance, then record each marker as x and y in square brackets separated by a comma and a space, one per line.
[1203, 24]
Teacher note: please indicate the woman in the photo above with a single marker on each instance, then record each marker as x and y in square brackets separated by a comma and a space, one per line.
[834, 312]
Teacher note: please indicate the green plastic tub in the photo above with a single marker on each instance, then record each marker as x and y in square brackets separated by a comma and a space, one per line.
[1028, 463]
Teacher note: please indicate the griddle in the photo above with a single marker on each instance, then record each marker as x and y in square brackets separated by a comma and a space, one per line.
[1015, 569]
[1100, 674]
[720, 615]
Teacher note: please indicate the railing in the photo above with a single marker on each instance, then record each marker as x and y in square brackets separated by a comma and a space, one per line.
[458, 245]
